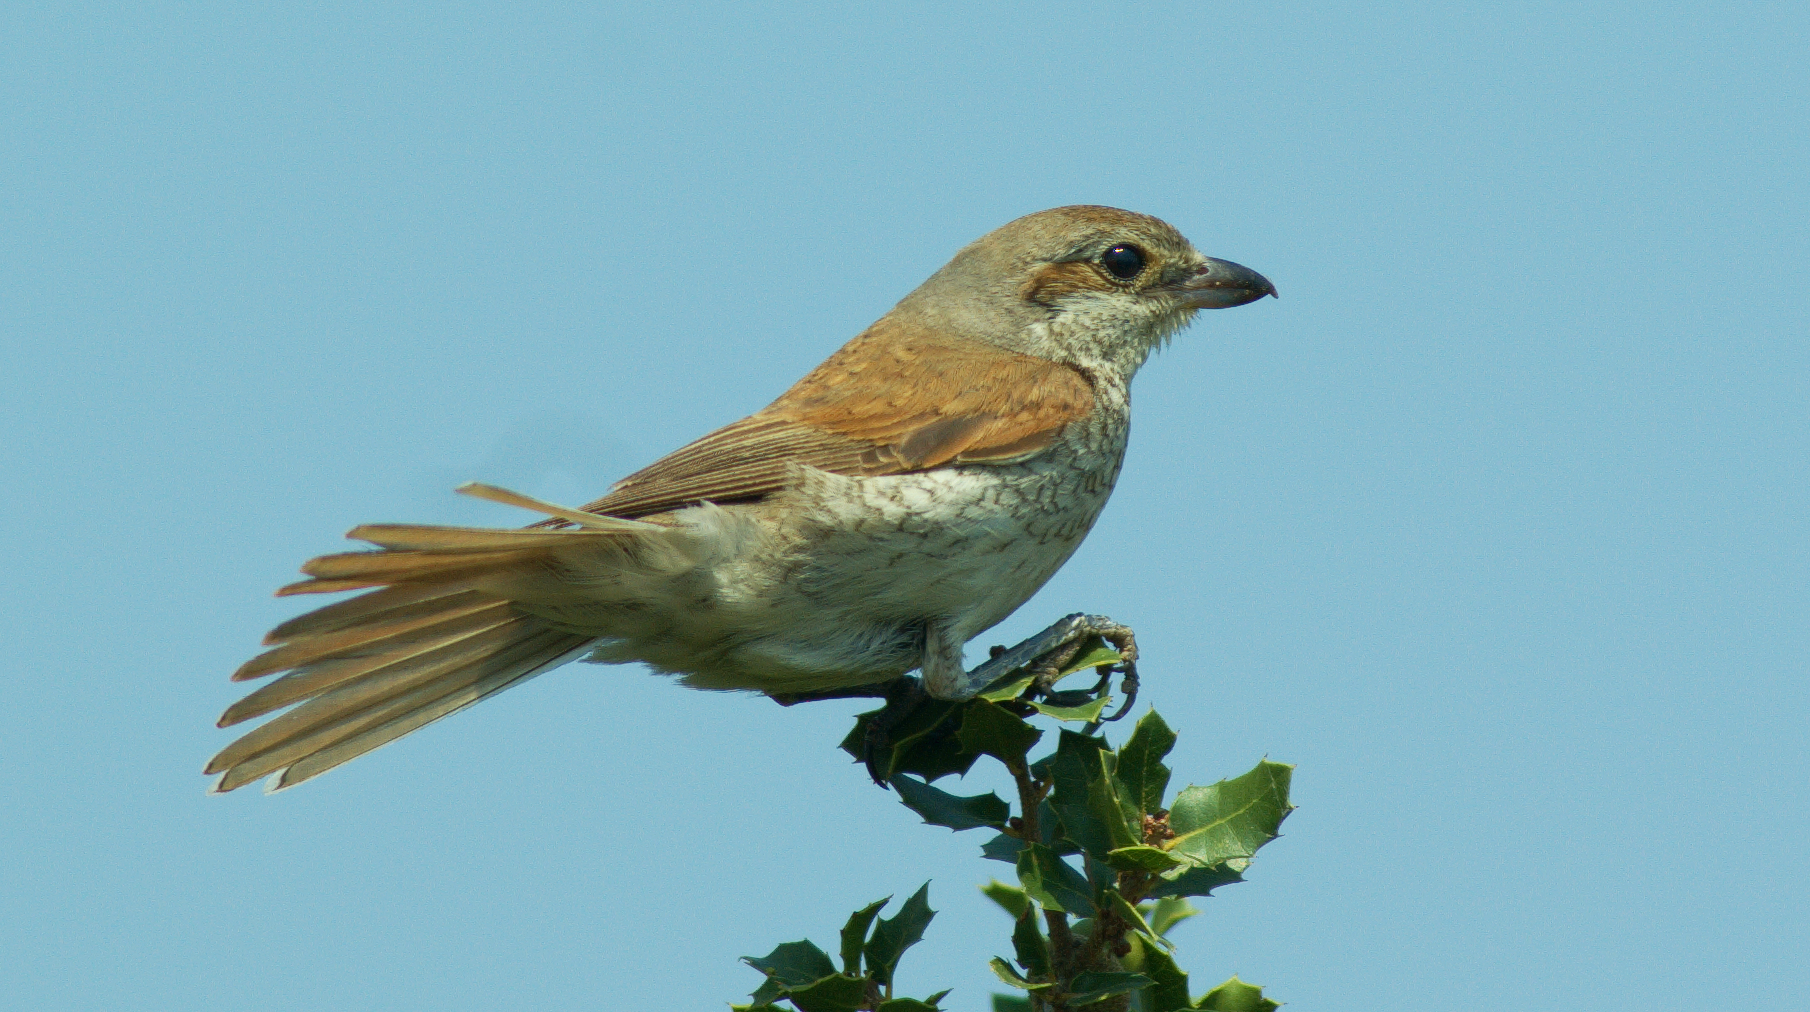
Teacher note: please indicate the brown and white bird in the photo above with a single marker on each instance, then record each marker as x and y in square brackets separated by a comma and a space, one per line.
[905, 496]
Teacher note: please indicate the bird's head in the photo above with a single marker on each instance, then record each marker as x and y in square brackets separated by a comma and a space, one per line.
[1083, 284]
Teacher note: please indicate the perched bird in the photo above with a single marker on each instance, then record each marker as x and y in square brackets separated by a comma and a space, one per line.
[905, 496]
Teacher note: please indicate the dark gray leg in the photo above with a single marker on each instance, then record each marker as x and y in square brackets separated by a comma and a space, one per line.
[1045, 654]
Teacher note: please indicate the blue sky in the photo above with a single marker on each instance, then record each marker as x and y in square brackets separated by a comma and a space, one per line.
[1494, 523]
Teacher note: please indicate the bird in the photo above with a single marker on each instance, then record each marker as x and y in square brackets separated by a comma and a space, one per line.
[902, 498]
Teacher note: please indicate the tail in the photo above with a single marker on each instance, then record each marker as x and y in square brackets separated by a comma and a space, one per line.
[436, 638]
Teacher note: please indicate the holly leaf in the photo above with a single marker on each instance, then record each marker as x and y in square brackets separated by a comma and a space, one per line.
[1140, 770]
[911, 1004]
[1029, 946]
[1091, 986]
[1135, 919]
[1005, 972]
[987, 729]
[1194, 881]
[770, 990]
[1077, 763]
[893, 935]
[1237, 996]
[1142, 858]
[1230, 819]
[923, 742]
[1168, 991]
[940, 808]
[1005, 848]
[793, 963]
[835, 993]
[1011, 1003]
[1086, 713]
[1053, 882]
[1002, 848]
[1086, 796]
[1010, 897]
[1169, 911]
[854, 934]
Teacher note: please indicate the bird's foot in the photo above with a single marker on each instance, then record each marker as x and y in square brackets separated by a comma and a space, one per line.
[1048, 654]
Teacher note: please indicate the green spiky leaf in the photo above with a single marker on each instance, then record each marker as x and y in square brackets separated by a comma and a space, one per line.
[1086, 713]
[1078, 760]
[1142, 858]
[835, 993]
[1194, 881]
[1011, 1003]
[1169, 911]
[987, 729]
[1029, 946]
[940, 808]
[893, 935]
[1230, 819]
[1005, 848]
[1140, 768]
[1237, 996]
[854, 935]
[1086, 796]
[1089, 987]
[1005, 972]
[1053, 882]
[1012, 898]
[923, 742]
[911, 1004]
[1168, 991]
[793, 963]
[1135, 919]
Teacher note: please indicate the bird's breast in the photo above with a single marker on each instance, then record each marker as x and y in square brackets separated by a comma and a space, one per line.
[971, 541]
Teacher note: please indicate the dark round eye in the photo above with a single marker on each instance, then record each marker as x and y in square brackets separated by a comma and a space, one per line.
[1123, 260]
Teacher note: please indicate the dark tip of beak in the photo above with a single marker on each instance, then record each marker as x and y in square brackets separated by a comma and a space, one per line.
[1221, 284]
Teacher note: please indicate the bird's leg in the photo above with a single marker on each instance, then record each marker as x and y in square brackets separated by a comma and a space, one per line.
[1047, 653]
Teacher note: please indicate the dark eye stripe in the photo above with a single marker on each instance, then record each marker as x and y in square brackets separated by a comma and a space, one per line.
[1123, 261]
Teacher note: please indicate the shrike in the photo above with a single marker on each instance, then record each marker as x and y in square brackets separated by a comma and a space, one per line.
[902, 498]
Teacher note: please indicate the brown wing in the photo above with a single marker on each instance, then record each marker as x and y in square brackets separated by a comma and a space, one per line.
[887, 403]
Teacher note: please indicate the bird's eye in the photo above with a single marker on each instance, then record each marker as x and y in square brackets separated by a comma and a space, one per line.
[1125, 261]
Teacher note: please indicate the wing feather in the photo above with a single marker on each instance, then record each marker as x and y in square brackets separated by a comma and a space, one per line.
[887, 403]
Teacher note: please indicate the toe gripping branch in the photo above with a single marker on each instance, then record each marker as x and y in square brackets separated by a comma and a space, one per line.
[1045, 656]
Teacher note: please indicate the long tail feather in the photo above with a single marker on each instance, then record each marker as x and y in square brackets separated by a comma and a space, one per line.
[363, 608]
[592, 521]
[436, 635]
[346, 712]
[313, 679]
[400, 567]
[548, 658]
[364, 639]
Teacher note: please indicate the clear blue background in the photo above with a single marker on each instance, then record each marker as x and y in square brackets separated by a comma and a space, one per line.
[1494, 523]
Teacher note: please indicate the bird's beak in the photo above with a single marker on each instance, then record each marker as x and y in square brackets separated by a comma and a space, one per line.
[1220, 284]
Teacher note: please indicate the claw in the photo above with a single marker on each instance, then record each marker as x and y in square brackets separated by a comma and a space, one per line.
[1128, 685]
